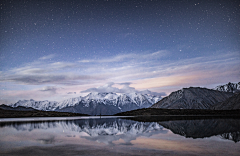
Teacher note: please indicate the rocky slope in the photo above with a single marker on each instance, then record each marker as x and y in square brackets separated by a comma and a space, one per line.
[193, 98]
[230, 104]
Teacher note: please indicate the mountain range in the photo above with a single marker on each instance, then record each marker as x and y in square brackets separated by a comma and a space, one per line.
[223, 97]
[94, 103]
[193, 98]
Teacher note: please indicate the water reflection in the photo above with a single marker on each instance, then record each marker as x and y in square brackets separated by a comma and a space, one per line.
[225, 128]
[100, 130]
[111, 129]
[122, 136]
[50, 140]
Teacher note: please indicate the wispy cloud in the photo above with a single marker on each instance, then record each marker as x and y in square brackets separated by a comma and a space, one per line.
[71, 93]
[129, 57]
[66, 73]
[42, 72]
[51, 78]
[124, 89]
[47, 57]
[49, 89]
[154, 71]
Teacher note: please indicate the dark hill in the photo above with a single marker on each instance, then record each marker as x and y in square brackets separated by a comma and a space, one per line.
[186, 112]
[16, 114]
[229, 104]
[193, 98]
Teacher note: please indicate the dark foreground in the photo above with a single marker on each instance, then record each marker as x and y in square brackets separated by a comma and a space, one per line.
[180, 112]
[167, 113]
[35, 113]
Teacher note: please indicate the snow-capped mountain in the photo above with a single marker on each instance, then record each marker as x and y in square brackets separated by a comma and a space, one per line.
[193, 98]
[94, 103]
[230, 87]
[39, 105]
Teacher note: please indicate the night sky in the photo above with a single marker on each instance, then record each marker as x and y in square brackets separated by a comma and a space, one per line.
[53, 50]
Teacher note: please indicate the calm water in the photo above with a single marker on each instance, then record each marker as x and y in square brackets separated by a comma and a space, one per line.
[117, 136]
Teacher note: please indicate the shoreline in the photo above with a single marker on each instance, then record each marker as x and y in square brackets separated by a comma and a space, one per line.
[147, 112]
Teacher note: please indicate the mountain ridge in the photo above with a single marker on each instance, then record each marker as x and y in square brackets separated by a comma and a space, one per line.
[110, 103]
[229, 87]
[192, 98]
[94, 103]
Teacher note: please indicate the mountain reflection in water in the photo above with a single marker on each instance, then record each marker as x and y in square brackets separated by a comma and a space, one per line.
[126, 136]
[225, 128]
[108, 130]
[100, 130]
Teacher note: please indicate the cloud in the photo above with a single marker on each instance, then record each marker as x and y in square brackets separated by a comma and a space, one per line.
[125, 89]
[41, 72]
[129, 57]
[129, 67]
[140, 72]
[125, 83]
[85, 61]
[42, 67]
[101, 89]
[49, 89]
[67, 79]
[153, 93]
[71, 93]
[133, 68]
[111, 59]
[62, 65]
[47, 57]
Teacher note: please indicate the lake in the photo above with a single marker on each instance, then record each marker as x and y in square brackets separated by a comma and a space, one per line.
[119, 136]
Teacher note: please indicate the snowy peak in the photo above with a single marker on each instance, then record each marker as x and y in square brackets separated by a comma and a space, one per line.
[230, 87]
[107, 101]
[137, 98]
[69, 102]
[39, 105]
[143, 97]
